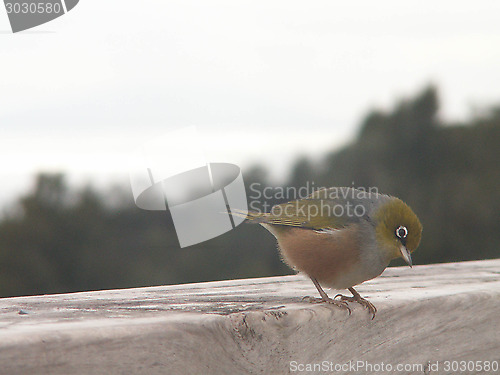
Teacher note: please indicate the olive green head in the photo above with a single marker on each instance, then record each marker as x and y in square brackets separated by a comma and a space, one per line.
[398, 230]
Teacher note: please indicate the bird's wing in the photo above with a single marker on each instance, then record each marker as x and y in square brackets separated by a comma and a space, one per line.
[308, 213]
[321, 210]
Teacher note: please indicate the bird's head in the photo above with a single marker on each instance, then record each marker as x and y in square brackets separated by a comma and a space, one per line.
[398, 230]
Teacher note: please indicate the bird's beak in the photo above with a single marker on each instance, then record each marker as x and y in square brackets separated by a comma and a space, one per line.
[405, 253]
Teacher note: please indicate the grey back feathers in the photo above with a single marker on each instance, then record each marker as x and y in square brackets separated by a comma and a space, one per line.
[325, 209]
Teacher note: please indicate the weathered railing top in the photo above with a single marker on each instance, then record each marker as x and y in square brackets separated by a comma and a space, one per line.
[428, 313]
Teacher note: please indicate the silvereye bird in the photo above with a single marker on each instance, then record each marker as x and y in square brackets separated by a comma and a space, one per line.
[341, 237]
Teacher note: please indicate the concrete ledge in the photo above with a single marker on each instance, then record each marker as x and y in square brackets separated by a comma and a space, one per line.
[436, 313]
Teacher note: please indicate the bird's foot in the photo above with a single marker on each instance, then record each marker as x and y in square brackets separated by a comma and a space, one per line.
[362, 301]
[342, 304]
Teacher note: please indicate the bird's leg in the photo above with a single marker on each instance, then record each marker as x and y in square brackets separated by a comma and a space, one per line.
[325, 298]
[357, 298]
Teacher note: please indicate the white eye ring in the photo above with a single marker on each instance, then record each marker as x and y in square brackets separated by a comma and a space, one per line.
[405, 232]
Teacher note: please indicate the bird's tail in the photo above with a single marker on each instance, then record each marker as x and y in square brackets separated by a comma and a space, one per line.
[252, 217]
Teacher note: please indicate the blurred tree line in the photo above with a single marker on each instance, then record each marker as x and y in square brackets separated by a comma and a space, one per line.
[61, 240]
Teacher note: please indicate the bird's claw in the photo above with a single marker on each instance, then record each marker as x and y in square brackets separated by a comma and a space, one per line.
[362, 301]
[341, 304]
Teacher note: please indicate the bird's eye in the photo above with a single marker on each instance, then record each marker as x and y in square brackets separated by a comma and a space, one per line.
[401, 232]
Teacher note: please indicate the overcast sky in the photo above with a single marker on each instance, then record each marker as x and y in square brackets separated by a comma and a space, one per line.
[263, 81]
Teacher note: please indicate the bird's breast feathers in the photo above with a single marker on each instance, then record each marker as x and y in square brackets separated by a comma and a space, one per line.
[329, 255]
